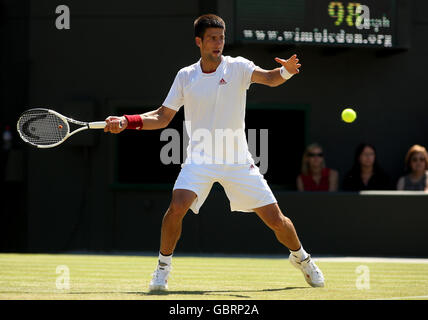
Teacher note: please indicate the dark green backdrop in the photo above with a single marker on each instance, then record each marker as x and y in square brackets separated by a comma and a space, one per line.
[127, 53]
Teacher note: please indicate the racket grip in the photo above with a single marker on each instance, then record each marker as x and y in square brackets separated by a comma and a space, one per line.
[97, 125]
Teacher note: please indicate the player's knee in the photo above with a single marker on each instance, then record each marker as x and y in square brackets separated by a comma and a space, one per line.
[177, 208]
[181, 202]
[280, 223]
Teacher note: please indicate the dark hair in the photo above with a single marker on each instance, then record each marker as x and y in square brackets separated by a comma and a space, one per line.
[207, 21]
[356, 168]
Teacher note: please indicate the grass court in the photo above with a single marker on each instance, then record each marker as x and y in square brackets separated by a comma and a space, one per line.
[119, 277]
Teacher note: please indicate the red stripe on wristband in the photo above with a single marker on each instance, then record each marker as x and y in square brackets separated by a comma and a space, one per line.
[134, 121]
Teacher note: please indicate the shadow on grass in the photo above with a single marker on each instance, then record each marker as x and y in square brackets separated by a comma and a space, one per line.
[231, 293]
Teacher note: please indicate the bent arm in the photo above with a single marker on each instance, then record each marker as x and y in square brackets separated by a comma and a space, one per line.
[152, 120]
[273, 78]
[157, 119]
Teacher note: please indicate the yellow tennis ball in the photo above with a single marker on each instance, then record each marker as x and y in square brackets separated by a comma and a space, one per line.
[349, 115]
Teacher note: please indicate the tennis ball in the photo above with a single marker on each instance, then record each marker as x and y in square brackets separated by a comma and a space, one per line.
[349, 115]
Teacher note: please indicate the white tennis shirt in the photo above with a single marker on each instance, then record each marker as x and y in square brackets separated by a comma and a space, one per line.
[214, 110]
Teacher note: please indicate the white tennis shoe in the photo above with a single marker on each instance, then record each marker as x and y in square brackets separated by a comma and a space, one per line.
[159, 280]
[310, 270]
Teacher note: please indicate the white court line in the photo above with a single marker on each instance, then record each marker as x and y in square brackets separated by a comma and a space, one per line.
[370, 259]
[402, 298]
[393, 192]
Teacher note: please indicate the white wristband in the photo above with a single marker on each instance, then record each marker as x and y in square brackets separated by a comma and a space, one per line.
[284, 73]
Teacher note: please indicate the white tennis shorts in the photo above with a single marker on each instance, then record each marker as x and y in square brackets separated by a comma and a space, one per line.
[245, 186]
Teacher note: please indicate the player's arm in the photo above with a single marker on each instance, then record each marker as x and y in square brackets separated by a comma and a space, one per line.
[426, 183]
[277, 76]
[152, 120]
[333, 180]
[299, 183]
[400, 184]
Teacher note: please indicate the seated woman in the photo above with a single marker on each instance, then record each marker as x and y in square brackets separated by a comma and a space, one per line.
[416, 166]
[366, 173]
[315, 176]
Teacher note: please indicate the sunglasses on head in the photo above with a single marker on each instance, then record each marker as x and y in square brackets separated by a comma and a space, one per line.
[310, 154]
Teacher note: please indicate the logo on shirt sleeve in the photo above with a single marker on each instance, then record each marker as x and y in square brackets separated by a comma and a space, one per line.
[222, 81]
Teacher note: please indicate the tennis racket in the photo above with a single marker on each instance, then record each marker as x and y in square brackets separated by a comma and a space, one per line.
[44, 128]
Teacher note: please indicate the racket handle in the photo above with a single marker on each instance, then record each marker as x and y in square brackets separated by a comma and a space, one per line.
[97, 125]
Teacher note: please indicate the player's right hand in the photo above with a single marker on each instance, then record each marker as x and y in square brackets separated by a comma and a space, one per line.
[115, 124]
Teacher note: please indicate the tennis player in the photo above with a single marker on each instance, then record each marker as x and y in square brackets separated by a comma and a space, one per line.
[213, 92]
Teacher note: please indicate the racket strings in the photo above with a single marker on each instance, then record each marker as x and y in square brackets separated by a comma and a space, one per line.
[40, 127]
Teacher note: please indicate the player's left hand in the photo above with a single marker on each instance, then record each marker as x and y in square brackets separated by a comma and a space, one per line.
[291, 65]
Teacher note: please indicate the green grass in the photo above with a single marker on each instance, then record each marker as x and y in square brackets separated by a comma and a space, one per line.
[33, 276]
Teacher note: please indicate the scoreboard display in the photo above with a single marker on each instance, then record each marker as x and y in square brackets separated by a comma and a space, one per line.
[365, 23]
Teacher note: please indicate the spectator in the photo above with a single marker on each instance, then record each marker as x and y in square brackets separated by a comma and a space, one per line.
[416, 166]
[366, 173]
[315, 176]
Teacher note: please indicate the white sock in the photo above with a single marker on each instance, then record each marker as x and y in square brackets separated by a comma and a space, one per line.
[165, 260]
[300, 254]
